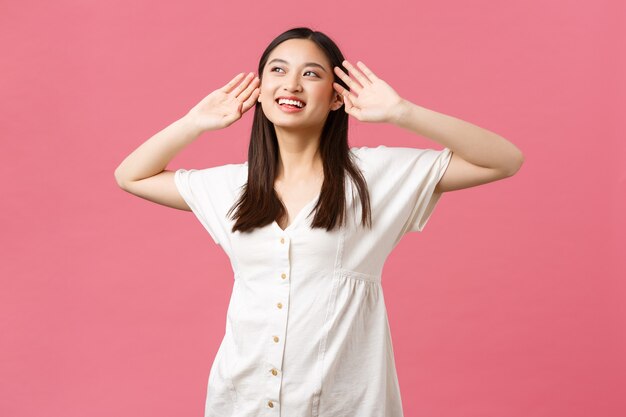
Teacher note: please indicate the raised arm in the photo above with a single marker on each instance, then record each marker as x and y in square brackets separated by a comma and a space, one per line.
[142, 173]
[479, 156]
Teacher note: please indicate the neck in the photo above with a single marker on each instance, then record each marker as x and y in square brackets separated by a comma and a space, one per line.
[298, 155]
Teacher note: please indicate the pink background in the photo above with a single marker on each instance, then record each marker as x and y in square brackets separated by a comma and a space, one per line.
[509, 303]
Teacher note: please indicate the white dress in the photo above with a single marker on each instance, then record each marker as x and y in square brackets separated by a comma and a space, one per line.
[306, 331]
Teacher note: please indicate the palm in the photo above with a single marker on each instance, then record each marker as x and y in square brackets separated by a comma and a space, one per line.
[374, 101]
[220, 107]
[225, 105]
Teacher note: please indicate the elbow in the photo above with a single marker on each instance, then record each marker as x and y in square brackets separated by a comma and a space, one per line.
[514, 167]
[119, 180]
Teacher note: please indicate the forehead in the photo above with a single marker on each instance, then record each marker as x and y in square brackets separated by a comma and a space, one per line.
[298, 51]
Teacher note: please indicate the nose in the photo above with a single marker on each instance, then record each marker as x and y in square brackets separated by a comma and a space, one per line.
[292, 82]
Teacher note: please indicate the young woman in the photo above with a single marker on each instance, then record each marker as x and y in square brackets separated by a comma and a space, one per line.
[307, 331]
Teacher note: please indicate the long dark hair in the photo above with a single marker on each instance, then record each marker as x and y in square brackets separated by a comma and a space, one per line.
[259, 205]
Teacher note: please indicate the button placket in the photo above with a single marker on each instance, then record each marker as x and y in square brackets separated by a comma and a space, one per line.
[278, 327]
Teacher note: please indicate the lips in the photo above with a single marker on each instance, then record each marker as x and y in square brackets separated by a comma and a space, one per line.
[292, 98]
[289, 108]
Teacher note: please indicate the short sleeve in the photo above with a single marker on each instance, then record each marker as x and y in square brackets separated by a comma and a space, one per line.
[210, 193]
[429, 170]
[404, 180]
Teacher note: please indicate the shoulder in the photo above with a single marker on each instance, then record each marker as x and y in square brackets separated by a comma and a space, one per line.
[382, 156]
[227, 172]
[366, 154]
[218, 181]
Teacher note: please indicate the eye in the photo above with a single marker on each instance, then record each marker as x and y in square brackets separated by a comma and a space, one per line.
[273, 68]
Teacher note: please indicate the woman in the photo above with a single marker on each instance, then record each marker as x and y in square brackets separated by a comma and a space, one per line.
[307, 331]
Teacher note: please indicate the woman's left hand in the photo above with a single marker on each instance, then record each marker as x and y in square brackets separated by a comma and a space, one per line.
[375, 100]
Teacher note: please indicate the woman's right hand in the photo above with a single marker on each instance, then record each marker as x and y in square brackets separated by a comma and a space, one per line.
[226, 105]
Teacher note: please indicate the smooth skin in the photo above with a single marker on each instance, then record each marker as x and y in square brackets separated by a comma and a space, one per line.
[478, 155]
[298, 67]
[143, 172]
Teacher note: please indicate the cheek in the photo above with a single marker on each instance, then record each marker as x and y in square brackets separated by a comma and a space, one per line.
[267, 91]
[319, 93]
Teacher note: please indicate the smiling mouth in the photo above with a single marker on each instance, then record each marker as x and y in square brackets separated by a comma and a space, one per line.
[290, 106]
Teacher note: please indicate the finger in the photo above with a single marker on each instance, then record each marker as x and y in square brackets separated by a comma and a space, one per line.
[232, 83]
[343, 91]
[340, 88]
[367, 71]
[251, 100]
[246, 93]
[243, 84]
[346, 79]
[347, 103]
[356, 73]
[350, 108]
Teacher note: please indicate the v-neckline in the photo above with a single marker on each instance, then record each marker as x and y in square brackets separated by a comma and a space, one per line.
[296, 219]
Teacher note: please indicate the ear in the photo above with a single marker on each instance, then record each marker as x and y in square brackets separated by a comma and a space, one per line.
[338, 102]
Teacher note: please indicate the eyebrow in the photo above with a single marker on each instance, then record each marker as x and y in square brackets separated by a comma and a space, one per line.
[306, 64]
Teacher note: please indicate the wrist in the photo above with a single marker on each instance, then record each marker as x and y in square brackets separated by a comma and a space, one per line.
[399, 112]
[192, 125]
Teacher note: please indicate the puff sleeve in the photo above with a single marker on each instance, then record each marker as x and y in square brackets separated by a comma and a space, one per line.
[430, 165]
[210, 193]
[404, 180]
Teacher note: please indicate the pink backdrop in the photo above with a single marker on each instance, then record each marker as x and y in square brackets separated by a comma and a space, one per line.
[510, 303]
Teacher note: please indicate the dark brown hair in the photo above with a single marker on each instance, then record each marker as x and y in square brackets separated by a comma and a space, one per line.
[259, 204]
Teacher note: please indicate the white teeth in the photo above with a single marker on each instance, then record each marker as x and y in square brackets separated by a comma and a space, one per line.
[293, 102]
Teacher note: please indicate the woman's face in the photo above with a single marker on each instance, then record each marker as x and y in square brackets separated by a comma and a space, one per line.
[298, 68]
